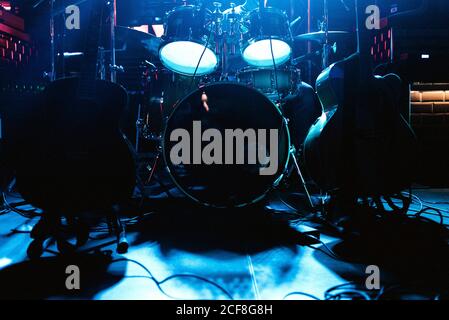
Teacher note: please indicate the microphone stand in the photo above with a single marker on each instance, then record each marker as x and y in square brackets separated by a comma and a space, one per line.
[52, 41]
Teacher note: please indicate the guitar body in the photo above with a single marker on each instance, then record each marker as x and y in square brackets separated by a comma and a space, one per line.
[361, 144]
[78, 159]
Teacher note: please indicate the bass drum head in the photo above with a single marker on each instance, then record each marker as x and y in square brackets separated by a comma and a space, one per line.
[201, 152]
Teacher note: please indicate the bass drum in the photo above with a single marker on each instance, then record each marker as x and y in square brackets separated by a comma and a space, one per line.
[206, 117]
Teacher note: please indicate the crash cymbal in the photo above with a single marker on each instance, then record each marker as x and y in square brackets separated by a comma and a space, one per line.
[320, 36]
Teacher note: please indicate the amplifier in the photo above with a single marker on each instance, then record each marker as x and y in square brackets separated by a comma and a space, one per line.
[15, 43]
[414, 39]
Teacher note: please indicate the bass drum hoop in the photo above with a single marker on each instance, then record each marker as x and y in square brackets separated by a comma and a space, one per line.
[242, 205]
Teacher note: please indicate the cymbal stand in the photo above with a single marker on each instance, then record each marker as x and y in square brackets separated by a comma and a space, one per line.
[113, 18]
[325, 28]
[52, 75]
[114, 219]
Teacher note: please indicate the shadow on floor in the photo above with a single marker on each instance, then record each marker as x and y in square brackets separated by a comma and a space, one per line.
[45, 278]
[410, 252]
[179, 224]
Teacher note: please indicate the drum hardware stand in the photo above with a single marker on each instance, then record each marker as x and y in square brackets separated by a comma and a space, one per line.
[293, 152]
[301, 177]
[139, 127]
[147, 160]
[112, 23]
[220, 47]
[115, 68]
[51, 75]
[101, 63]
[52, 41]
[114, 219]
[141, 130]
[137, 160]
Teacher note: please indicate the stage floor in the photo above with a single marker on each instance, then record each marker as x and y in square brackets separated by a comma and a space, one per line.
[183, 252]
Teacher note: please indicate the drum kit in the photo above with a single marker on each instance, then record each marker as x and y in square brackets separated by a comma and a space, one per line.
[198, 42]
[241, 63]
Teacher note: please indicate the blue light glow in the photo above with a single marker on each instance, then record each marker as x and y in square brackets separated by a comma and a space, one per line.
[258, 54]
[5, 262]
[183, 56]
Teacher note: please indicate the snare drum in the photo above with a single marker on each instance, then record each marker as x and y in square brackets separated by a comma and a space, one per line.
[268, 38]
[186, 46]
[264, 79]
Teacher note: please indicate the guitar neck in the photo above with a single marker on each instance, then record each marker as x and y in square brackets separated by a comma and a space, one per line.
[89, 73]
[364, 36]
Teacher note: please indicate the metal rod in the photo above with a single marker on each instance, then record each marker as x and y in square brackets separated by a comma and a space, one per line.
[303, 182]
[326, 38]
[309, 43]
[113, 18]
[52, 41]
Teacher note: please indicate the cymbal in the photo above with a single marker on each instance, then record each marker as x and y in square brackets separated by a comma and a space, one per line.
[238, 10]
[137, 39]
[225, 4]
[320, 36]
[125, 33]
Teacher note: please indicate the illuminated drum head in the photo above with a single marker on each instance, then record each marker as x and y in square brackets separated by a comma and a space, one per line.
[259, 54]
[183, 57]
